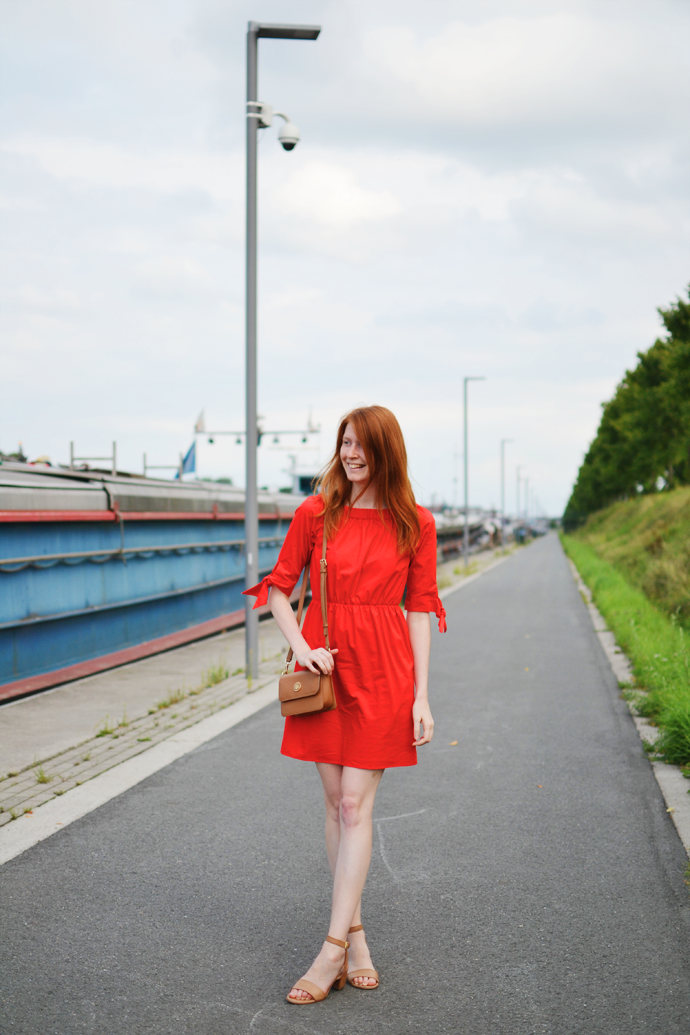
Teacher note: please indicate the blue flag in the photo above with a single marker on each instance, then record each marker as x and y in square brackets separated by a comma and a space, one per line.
[189, 461]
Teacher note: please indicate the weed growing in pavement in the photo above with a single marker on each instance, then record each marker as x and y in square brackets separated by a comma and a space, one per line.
[28, 811]
[215, 674]
[106, 729]
[142, 739]
[59, 791]
[471, 568]
[41, 775]
[174, 697]
[658, 648]
[124, 721]
[13, 772]
[13, 813]
[238, 671]
[86, 757]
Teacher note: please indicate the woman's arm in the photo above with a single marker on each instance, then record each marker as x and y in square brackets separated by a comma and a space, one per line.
[287, 623]
[419, 628]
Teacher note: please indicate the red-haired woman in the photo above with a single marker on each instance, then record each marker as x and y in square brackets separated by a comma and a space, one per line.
[381, 548]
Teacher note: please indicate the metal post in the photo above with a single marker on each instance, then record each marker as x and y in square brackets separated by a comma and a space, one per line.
[526, 499]
[144, 465]
[466, 530]
[255, 31]
[503, 491]
[466, 535]
[251, 507]
[71, 456]
[114, 458]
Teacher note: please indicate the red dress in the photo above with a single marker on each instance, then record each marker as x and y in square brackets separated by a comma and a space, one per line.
[371, 728]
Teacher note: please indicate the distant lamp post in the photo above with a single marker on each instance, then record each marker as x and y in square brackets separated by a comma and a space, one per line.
[466, 536]
[517, 490]
[258, 115]
[526, 500]
[503, 491]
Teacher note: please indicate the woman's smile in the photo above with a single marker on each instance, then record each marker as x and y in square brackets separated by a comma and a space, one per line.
[352, 456]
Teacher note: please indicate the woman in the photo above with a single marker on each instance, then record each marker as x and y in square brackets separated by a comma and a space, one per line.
[381, 547]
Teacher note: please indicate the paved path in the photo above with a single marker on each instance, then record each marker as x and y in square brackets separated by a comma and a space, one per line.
[527, 880]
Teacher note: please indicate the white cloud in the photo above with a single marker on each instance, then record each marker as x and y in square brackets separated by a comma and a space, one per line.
[83, 162]
[57, 302]
[329, 194]
[547, 71]
[172, 275]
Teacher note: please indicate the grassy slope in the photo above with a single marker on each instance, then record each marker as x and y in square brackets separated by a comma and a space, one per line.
[647, 540]
[658, 648]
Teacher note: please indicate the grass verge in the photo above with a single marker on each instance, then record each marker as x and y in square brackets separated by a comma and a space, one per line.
[658, 648]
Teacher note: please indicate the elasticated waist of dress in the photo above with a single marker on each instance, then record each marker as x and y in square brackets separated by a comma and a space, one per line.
[351, 603]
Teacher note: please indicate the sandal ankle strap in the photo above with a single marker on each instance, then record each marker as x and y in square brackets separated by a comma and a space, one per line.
[337, 941]
[359, 927]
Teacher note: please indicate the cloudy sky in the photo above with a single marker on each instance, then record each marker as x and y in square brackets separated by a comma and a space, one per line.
[482, 188]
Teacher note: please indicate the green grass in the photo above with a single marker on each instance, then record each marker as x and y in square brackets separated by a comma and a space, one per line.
[647, 539]
[41, 775]
[215, 674]
[657, 645]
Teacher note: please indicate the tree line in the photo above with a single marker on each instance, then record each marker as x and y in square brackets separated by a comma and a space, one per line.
[643, 441]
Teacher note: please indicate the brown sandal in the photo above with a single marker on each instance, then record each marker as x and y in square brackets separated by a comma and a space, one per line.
[317, 994]
[364, 972]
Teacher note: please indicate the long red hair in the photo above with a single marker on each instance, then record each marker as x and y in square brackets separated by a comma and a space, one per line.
[384, 447]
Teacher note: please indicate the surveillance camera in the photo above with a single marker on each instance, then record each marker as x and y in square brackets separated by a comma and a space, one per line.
[289, 136]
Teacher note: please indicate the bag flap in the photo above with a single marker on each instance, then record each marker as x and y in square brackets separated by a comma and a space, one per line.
[298, 684]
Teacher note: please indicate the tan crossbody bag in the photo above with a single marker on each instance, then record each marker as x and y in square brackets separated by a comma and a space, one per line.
[306, 693]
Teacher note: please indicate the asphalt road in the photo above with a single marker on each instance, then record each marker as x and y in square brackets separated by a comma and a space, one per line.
[527, 880]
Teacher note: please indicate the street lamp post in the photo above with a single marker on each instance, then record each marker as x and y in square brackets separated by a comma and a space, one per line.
[255, 119]
[503, 491]
[526, 500]
[517, 490]
[466, 536]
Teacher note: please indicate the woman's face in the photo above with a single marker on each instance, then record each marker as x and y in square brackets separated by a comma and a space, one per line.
[352, 457]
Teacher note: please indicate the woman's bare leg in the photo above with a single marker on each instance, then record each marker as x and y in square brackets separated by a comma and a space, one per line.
[349, 795]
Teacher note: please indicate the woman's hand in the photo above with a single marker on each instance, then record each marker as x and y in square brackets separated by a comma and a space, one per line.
[423, 722]
[317, 660]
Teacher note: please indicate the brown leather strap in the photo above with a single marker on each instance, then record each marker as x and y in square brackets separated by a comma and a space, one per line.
[337, 941]
[359, 927]
[324, 597]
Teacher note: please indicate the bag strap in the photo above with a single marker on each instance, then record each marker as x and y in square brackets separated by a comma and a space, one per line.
[324, 598]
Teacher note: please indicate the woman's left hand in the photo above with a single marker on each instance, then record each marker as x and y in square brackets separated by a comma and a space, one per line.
[423, 722]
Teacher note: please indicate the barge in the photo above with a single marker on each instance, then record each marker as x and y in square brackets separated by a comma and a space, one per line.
[100, 569]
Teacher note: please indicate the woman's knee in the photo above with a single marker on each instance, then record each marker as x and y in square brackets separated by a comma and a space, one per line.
[333, 799]
[353, 810]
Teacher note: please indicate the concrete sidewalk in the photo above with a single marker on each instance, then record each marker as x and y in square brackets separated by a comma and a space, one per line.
[39, 727]
[526, 876]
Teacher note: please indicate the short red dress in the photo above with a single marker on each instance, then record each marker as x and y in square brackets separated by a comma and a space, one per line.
[372, 727]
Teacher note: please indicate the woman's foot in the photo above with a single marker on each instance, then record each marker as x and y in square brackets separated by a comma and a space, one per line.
[360, 959]
[323, 971]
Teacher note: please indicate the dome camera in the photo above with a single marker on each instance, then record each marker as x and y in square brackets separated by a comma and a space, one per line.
[289, 136]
